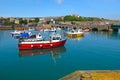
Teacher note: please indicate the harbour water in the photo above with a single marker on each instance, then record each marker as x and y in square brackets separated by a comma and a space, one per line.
[94, 51]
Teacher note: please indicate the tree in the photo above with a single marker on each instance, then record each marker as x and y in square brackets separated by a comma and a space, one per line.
[6, 21]
[13, 25]
[24, 21]
[21, 21]
[81, 19]
[70, 18]
[59, 19]
[36, 20]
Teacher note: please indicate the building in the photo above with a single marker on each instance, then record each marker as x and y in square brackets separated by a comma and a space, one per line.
[16, 21]
[12, 19]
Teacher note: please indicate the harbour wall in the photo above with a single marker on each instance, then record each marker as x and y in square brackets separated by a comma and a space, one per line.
[92, 28]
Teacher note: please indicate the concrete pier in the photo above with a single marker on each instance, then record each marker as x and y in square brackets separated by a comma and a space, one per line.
[93, 75]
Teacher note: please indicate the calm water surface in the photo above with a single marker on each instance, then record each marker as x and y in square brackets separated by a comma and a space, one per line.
[95, 51]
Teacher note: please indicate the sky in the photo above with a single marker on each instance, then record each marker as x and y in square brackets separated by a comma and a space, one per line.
[109, 9]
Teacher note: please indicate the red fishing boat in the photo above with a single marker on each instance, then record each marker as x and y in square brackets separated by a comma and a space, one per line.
[39, 42]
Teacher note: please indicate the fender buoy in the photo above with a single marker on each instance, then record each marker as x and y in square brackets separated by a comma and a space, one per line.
[40, 45]
[31, 45]
[51, 44]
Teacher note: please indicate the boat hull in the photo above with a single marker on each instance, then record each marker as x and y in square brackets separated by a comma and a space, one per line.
[86, 30]
[75, 35]
[37, 45]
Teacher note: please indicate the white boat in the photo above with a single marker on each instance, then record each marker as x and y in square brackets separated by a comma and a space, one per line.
[52, 30]
[58, 28]
[49, 30]
[46, 30]
[31, 29]
[16, 32]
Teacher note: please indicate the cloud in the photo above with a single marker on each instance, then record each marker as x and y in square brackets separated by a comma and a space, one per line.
[59, 1]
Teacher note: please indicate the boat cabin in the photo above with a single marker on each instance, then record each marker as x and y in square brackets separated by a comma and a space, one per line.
[39, 36]
[55, 37]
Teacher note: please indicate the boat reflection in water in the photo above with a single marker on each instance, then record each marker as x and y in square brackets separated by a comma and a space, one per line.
[55, 52]
[75, 38]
